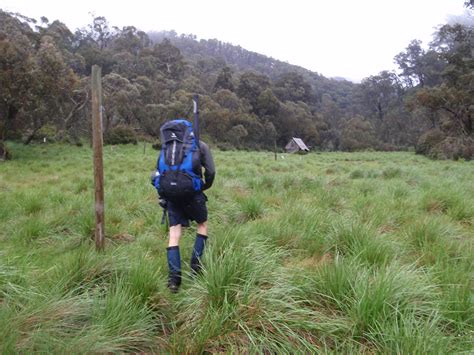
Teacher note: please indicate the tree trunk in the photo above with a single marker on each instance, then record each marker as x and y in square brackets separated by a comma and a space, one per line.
[433, 119]
[3, 151]
[4, 155]
[69, 120]
[11, 113]
[467, 123]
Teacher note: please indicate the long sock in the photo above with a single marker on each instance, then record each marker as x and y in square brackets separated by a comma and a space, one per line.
[198, 249]
[174, 259]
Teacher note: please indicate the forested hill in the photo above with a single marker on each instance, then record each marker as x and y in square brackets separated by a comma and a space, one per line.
[248, 100]
[233, 56]
[212, 55]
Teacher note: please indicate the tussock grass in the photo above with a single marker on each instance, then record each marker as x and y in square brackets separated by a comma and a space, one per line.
[252, 208]
[391, 173]
[323, 253]
[357, 174]
[359, 240]
[410, 334]
[82, 271]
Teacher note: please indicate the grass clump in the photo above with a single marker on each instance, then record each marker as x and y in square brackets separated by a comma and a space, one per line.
[252, 208]
[391, 173]
[244, 301]
[360, 241]
[324, 253]
[357, 174]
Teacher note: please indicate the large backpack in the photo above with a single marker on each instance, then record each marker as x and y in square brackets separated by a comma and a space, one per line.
[175, 178]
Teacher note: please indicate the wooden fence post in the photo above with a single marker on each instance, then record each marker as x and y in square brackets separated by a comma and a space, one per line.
[275, 148]
[97, 143]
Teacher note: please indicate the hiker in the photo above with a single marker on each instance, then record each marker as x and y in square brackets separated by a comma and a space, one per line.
[180, 183]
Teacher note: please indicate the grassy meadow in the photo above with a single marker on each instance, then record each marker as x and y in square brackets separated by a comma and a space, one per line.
[332, 253]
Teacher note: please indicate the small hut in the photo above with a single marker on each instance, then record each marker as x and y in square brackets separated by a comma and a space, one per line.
[296, 145]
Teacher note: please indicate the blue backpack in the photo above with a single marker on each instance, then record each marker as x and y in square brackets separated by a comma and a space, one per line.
[175, 178]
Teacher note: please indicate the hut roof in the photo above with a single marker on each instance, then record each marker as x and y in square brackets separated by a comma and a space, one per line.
[301, 144]
[296, 144]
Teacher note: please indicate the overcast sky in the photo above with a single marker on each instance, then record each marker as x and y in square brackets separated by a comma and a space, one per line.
[347, 38]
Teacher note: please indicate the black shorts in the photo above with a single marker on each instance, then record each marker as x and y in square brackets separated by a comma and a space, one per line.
[183, 211]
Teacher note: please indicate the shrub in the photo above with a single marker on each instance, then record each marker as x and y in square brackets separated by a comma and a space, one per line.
[428, 141]
[453, 148]
[47, 131]
[224, 146]
[387, 147]
[143, 137]
[156, 145]
[4, 152]
[120, 135]
[358, 134]
[468, 150]
[435, 144]
[68, 137]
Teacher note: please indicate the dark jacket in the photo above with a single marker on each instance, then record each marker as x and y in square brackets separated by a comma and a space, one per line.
[203, 159]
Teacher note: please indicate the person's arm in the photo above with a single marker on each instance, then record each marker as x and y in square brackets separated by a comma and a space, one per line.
[207, 163]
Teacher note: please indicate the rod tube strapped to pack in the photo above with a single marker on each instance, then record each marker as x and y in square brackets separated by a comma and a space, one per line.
[196, 117]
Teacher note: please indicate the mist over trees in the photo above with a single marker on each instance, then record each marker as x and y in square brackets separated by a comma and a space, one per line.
[248, 100]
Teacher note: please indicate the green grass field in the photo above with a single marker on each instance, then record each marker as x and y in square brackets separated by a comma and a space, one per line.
[332, 253]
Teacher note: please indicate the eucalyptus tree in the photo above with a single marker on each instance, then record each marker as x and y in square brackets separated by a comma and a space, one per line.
[454, 96]
[224, 80]
[251, 85]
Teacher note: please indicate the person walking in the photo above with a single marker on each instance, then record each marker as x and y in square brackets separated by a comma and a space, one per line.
[181, 182]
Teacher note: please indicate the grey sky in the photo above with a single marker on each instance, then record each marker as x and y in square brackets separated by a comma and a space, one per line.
[352, 39]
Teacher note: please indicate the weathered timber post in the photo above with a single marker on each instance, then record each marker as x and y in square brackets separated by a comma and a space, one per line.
[97, 143]
[275, 148]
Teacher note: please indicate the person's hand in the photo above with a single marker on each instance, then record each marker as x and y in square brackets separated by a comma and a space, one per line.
[163, 203]
[154, 175]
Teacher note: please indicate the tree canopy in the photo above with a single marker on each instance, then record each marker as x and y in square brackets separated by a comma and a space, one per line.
[248, 100]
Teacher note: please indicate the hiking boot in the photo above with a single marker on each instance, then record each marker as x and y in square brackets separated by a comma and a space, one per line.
[174, 281]
[196, 267]
[198, 250]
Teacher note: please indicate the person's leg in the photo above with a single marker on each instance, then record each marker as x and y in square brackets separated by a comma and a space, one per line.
[175, 235]
[199, 245]
[177, 220]
[202, 228]
[174, 258]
